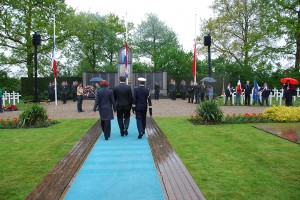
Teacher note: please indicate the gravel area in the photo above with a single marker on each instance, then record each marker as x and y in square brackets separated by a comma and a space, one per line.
[162, 108]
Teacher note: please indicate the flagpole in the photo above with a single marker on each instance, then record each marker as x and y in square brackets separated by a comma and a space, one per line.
[55, 83]
[126, 49]
[195, 77]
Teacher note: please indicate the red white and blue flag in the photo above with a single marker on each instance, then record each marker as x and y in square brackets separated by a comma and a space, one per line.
[239, 87]
[54, 61]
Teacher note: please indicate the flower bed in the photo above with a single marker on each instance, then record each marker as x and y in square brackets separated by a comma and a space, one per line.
[11, 123]
[234, 119]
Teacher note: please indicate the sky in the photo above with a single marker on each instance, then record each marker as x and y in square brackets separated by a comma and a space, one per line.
[182, 16]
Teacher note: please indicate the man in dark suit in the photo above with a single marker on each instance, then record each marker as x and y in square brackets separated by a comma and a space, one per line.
[248, 91]
[141, 99]
[123, 98]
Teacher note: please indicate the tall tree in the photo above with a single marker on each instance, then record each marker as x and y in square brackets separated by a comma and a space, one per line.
[153, 39]
[283, 21]
[18, 20]
[238, 33]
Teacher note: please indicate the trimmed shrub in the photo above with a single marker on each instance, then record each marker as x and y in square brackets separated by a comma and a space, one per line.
[32, 115]
[210, 112]
[283, 113]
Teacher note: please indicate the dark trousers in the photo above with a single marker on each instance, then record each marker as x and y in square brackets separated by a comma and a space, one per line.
[202, 95]
[74, 95]
[141, 120]
[247, 99]
[156, 95]
[64, 97]
[173, 95]
[197, 98]
[183, 95]
[79, 103]
[106, 128]
[288, 99]
[226, 100]
[263, 100]
[123, 116]
[191, 97]
[1, 102]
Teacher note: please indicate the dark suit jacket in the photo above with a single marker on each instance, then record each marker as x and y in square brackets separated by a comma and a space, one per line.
[123, 96]
[105, 101]
[141, 98]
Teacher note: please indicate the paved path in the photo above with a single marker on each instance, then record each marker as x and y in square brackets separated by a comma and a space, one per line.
[161, 108]
[120, 168]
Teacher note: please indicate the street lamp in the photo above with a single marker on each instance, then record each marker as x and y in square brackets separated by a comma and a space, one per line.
[207, 42]
[36, 40]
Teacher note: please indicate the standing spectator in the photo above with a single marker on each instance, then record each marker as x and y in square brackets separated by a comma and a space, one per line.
[182, 89]
[1, 100]
[238, 91]
[79, 97]
[210, 92]
[106, 103]
[202, 91]
[172, 88]
[191, 92]
[74, 90]
[97, 87]
[64, 92]
[197, 92]
[228, 93]
[141, 99]
[248, 91]
[53, 92]
[123, 98]
[50, 91]
[288, 91]
[156, 91]
[265, 94]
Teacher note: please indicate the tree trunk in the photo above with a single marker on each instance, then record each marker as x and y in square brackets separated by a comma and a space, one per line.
[297, 55]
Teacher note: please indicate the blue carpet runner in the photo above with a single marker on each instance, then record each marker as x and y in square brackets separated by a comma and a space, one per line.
[121, 168]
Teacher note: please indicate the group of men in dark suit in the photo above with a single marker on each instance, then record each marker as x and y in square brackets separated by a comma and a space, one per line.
[121, 101]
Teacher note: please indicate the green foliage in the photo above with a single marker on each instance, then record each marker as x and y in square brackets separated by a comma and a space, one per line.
[210, 112]
[225, 159]
[32, 115]
[27, 155]
[9, 84]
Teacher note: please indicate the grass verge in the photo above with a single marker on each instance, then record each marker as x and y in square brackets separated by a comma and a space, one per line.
[235, 161]
[27, 155]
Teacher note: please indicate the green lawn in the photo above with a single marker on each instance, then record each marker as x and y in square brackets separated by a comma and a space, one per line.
[236, 161]
[27, 155]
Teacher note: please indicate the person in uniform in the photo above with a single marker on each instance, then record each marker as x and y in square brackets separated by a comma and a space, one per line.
[182, 89]
[248, 91]
[191, 92]
[105, 101]
[123, 98]
[156, 91]
[74, 90]
[64, 92]
[141, 100]
[1, 100]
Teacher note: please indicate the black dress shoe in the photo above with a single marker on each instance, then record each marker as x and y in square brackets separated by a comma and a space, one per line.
[106, 138]
[125, 132]
[122, 134]
[140, 136]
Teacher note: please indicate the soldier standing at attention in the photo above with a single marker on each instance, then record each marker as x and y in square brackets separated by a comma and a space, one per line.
[156, 91]
[141, 100]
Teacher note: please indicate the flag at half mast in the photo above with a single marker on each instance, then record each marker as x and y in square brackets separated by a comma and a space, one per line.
[54, 66]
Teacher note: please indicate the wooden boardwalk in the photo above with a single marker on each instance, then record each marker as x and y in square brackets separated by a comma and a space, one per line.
[176, 181]
[173, 175]
[57, 180]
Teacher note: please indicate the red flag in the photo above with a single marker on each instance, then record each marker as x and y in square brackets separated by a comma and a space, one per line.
[54, 62]
[194, 65]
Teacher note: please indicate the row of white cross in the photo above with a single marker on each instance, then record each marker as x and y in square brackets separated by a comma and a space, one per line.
[277, 93]
[11, 97]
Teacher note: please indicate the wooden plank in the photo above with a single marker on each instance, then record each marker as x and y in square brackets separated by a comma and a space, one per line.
[175, 178]
[56, 181]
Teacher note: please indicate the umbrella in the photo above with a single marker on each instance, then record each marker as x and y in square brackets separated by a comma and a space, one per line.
[96, 79]
[292, 81]
[208, 79]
